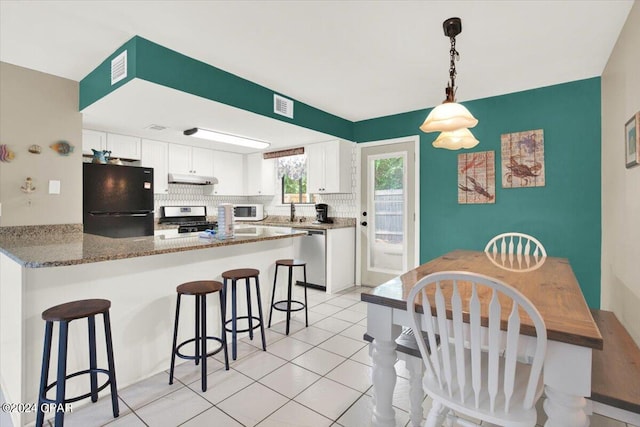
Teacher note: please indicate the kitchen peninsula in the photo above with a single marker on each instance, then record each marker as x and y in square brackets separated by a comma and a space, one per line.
[48, 265]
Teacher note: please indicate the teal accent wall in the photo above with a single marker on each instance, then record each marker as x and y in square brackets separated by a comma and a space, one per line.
[97, 84]
[564, 215]
[166, 67]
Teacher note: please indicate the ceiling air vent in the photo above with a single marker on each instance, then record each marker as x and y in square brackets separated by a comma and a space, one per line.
[282, 106]
[119, 68]
[156, 127]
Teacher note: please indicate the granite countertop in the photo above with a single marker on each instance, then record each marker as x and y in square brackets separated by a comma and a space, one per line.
[302, 222]
[59, 245]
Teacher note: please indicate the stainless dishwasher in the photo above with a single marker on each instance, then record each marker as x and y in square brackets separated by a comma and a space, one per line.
[311, 249]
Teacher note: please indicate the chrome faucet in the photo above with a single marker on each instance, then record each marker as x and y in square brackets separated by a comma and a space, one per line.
[292, 212]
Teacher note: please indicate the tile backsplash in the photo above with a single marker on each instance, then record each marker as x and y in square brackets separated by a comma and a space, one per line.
[340, 205]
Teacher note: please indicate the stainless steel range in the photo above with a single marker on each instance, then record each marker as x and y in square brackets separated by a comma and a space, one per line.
[189, 219]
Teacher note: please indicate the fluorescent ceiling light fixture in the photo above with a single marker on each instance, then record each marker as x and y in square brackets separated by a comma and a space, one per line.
[226, 138]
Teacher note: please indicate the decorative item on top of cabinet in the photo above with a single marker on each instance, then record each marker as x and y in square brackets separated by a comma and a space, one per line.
[261, 175]
[329, 167]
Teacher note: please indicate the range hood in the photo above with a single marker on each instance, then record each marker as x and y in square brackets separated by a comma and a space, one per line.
[183, 178]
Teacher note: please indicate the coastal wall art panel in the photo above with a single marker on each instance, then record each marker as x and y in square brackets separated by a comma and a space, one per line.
[476, 177]
[523, 159]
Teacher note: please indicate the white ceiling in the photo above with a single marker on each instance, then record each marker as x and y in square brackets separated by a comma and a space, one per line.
[354, 59]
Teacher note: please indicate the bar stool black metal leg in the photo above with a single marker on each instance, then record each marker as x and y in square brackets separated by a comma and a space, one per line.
[62, 371]
[249, 311]
[175, 341]
[44, 375]
[234, 322]
[306, 314]
[112, 365]
[223, 335]
[197, 338]
[203, 329]
[289, 286]
[93, 363]
[273, 294]
[264, 342]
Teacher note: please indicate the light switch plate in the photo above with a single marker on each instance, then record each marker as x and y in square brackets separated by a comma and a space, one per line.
[54, 186]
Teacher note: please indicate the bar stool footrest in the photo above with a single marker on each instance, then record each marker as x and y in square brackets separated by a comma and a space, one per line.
[75, 374]
[190, 357]
[282, 305]
[257, 323]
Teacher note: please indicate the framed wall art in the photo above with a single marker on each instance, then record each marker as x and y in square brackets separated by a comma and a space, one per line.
[632, 141]
[523, 159]
[476, 177]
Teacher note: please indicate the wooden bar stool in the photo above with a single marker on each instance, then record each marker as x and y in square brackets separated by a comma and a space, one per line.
[199, 289]
[234, 276]
[65, 313]
[286, 305]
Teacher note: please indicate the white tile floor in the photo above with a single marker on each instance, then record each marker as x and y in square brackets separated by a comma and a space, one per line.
[317, 376]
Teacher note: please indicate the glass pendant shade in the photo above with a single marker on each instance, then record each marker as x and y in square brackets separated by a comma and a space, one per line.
[447, 117]
[455, 140]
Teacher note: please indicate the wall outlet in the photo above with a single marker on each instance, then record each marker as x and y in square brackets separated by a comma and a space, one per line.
[54, 187]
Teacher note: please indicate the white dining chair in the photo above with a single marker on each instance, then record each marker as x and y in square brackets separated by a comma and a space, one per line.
[489, 383]
[515, 243]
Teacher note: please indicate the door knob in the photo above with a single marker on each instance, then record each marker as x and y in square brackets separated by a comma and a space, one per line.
[363, 223]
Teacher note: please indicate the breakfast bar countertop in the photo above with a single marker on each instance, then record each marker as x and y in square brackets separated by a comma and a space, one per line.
[64, 245]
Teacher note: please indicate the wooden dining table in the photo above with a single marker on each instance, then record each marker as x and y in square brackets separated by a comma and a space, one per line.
[548, 282]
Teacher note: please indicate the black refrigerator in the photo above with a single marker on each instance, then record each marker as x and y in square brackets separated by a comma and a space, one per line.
[117, 201]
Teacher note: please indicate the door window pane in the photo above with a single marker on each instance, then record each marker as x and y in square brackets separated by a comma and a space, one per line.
[386, 233]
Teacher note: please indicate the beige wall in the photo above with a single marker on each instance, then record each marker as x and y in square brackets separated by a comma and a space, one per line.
[621, 186]
[38, 108]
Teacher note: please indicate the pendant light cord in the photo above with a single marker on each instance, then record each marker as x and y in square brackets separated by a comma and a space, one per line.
[454, 56]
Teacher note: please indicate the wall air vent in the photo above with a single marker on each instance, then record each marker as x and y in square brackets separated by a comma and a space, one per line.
[156, 127]
[282, 106]
[119, 68]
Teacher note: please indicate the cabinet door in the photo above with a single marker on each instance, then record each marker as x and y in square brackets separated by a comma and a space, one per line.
[268, 177]
[315, 171]
[229, 171]
[123, 146]
[93, 139]
[261, 175]
[202, 161]
[155, 154]
[331, 157]
[179, 159]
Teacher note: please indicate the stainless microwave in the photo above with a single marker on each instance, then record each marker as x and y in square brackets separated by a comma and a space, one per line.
[248, 212]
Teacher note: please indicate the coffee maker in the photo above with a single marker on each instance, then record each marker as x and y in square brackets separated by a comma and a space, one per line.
[322, 214]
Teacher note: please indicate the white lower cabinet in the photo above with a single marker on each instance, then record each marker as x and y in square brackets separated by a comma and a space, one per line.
[155, 154]
[341, 258]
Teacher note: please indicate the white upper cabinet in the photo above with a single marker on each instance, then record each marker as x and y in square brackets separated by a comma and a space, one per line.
[261, 175]
[202, 161]
[329, 167]
[93, 139]
[123, 146]
[184, 159]
[155, 154]
[229, 171]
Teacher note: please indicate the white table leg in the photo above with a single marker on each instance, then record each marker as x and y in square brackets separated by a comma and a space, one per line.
[567, 379]
[564, 410]
[415, 367]
[384, 381]
[380, 326]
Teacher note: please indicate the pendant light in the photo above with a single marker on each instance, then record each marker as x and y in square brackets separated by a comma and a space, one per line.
[451, 118]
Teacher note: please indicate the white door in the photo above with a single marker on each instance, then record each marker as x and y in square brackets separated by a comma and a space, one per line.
[388, 210]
